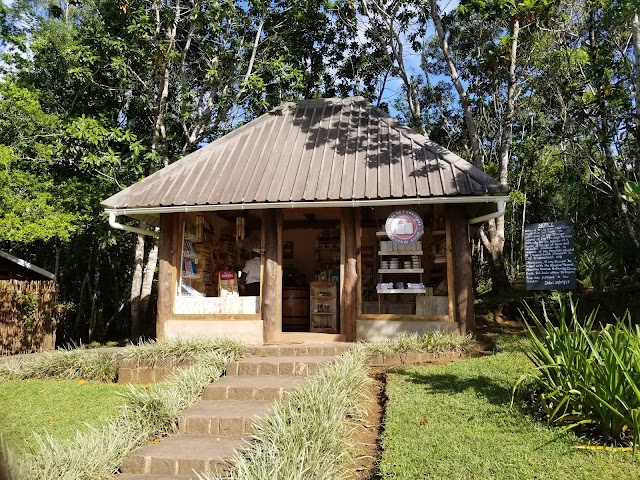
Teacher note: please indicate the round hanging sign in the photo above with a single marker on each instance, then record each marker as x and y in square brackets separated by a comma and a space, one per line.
[404, 226]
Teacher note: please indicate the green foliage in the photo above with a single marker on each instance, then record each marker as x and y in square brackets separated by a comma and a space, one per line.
[586, 379]
[308, 435]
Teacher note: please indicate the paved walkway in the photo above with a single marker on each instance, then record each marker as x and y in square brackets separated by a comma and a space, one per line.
[210, 432]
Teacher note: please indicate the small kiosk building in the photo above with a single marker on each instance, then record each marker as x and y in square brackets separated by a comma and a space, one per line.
[362, 226]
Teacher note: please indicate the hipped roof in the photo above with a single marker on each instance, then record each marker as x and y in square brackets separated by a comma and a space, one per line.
[308, 151]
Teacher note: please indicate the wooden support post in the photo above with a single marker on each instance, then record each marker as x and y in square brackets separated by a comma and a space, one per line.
[350, 284]
[169, 256]
[463, 276]
[270, 294]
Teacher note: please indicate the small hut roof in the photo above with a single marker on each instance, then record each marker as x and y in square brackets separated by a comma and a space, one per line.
[309, 151]
[14, 267]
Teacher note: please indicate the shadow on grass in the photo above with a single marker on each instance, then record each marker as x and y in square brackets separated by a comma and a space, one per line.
[452, 384]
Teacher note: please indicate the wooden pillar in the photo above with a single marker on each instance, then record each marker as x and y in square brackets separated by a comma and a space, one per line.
[350, 283]
[168, 258]
[270, 294]
[463, 277]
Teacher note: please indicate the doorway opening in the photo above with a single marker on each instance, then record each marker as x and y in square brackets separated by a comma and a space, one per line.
[311, 273]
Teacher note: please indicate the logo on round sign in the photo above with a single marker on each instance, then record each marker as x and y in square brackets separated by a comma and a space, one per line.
[404, 226]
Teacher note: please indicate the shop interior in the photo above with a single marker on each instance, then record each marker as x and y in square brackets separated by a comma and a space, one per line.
[215, 248]
[395, 279]
[311, 271]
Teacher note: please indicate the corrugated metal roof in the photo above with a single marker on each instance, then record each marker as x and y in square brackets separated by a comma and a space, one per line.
[311, 150]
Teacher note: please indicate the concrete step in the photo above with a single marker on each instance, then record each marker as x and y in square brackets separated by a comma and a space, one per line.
[222, 417]
[298, 366]
[240, 387]
[181, 455]
[300, 350]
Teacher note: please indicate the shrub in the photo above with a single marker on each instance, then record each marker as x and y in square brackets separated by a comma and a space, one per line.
[308, 435]
[585, 379]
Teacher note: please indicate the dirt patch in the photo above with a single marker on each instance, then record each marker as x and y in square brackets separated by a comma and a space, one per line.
[368, 431]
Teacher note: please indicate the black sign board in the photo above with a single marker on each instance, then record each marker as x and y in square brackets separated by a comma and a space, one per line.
[549, 256]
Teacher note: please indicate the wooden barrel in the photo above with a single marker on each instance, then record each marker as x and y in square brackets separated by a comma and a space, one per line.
[295, 309]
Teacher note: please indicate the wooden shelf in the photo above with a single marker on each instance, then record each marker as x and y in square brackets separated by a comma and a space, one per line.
[189, 275]
[192, 238]
[190, 255]
[438, 232]
[323, 313]
[382, 234]
[404, 290]
[440, 260]
[404, 252]
[322, 298]
[401, 270]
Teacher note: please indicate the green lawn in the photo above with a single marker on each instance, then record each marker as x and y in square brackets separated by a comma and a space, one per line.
[59, 407]
[454, 422]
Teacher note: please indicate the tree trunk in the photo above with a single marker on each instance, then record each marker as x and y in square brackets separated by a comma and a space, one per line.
[136, 286]
[147, 285]
[78, 330]
[493, 237]
[94, 305]
[635, 28]
[477, 151]
[495, 248]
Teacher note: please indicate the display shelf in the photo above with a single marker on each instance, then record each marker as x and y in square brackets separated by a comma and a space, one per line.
[438, 232]
[440, 260]
[403, 252]
[403, 290]
[400, 270]
[189, 275]
[323, 307]
[186, 254]
[192, 238]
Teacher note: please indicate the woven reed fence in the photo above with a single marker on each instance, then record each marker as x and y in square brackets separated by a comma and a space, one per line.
[27, 316]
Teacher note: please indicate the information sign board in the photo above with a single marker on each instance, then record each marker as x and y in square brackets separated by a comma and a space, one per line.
[549, 256]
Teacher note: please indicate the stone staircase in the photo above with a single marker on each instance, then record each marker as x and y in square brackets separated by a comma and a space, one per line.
[210, 432]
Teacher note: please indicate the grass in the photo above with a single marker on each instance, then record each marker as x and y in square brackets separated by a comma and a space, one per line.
[454, 422]
[59, 407]
[308, 435]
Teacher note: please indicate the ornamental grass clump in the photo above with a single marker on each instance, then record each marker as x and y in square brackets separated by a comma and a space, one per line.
[585, 379]
[308, 435]
[181, 350]
[63, 364]
[149, 412]
[437, 341]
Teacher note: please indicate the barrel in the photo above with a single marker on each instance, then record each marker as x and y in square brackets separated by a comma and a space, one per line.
[295, 309]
